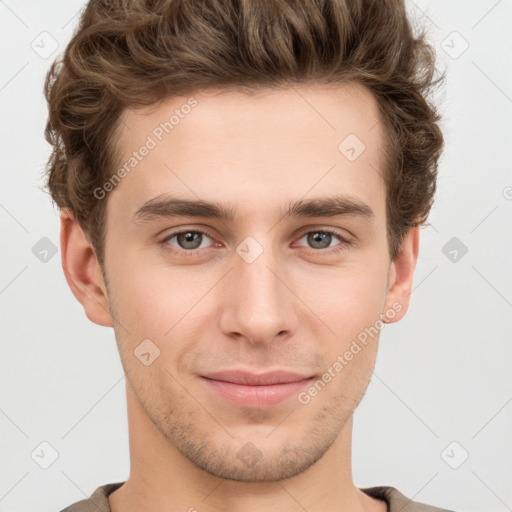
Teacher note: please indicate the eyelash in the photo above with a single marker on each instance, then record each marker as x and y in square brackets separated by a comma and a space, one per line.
[191, 253]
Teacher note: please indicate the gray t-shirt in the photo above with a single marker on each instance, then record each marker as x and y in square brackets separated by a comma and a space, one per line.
[397, 502]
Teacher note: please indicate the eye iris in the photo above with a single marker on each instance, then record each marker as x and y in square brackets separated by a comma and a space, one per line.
[189, 239]
[323, 238]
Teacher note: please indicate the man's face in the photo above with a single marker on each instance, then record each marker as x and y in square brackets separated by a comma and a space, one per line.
[256, 293]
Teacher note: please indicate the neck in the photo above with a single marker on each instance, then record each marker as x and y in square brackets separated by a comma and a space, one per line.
[161, 478]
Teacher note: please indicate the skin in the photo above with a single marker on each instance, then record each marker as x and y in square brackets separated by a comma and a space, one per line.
[214, 310]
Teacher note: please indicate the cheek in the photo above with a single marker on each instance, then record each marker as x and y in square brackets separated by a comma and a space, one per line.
[350, 299]
[352, 310]
[153, 297]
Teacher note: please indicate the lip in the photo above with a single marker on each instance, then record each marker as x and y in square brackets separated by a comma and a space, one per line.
[256, 390]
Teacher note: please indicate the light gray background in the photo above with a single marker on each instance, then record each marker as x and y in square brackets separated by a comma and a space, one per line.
[442, 375]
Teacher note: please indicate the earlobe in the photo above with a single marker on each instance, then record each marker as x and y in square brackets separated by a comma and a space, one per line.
[401, 274]
[82, 271]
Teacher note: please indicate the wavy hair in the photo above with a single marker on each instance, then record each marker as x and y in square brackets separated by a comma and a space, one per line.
[129, 53]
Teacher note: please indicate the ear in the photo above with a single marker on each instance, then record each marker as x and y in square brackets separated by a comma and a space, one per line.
[400, 277]
[82, 270]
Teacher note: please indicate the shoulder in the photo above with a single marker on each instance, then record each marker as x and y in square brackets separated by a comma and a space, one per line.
[398, 502]
[98, 501]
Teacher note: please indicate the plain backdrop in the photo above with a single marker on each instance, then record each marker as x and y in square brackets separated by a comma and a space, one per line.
[436, 421]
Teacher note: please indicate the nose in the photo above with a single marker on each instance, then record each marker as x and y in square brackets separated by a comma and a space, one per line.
[257, 304]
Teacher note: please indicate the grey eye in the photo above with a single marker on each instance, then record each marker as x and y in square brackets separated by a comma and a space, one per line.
[189, 239]
[319, 239]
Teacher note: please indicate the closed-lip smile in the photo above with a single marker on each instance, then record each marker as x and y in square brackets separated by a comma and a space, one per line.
[256, 390]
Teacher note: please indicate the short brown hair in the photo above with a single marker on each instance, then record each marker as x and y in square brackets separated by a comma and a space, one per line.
[129, 53]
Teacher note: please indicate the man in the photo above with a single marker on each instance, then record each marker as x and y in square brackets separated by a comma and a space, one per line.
[242, 185]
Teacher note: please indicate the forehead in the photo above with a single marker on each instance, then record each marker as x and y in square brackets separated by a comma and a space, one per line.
[255, 150]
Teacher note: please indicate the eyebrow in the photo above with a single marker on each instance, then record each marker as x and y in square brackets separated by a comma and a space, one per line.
[168, 206]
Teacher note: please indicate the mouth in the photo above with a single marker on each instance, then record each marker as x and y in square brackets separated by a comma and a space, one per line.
[256, 390]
